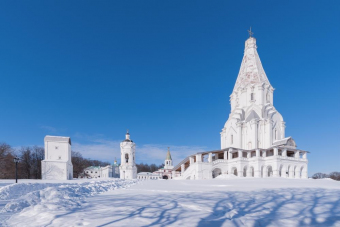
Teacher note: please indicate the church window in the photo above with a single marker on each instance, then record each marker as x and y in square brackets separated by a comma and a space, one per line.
[126, 158]
[275, 134]
[268, 97]
[59, 157]
[56, 148]
[252, 96]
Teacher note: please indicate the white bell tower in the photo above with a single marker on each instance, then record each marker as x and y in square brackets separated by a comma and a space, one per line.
[168, 161]
[128, 169]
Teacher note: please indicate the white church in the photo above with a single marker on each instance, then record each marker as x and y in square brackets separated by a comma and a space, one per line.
[253, 140]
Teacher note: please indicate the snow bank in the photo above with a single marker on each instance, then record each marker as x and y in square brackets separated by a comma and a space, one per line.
[33, 198]
[225, 176]
[14, 191]
[230, 202]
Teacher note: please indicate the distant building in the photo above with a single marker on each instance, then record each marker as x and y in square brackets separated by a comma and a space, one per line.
[148, 176]
[57, 164]
[163, 173]
[109, 171]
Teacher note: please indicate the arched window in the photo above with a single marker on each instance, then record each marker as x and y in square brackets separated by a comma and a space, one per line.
[126, 158]
[252, 96]
[275, 134]
[268, 97]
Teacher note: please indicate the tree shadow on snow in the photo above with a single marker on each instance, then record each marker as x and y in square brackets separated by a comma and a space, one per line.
[273, 209]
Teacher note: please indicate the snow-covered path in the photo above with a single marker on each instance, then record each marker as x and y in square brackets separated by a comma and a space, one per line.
[230, 202]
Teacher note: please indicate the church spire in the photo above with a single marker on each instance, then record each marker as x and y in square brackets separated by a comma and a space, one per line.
[168, 155]
[251, 70]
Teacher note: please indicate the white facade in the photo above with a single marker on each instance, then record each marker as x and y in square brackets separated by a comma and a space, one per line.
[57, 164]
[102, 172]
[148, 176]
[109, 171]
[128, 169]
[253, 142]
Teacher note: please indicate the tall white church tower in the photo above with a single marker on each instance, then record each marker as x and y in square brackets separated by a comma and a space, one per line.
[128, 169]
[253, 121]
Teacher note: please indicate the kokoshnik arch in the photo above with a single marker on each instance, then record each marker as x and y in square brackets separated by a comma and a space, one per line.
[253, 142]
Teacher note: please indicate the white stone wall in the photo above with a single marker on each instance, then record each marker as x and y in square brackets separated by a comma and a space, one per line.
[257, 167]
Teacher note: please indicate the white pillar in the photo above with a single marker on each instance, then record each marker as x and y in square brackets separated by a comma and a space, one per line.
[240, 153]
[248, 154]
[257, 152]
[304, 156]
[210, 157]
[257, 170]
[239, 133]
[291, 172]
[283, 127]
[249, 172]
[199, 158]
[284, 152]
[225, 155]
[182, 169]
[191, 160]
[297, 154]
[283, 172]
[276, 170]
[265, 173]
[264, 154]
[255, 125]
[276, 151]
[297, 172]
[305, 172]
[230, 155]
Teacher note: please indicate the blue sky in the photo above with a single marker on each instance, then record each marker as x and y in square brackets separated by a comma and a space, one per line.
[164, 70]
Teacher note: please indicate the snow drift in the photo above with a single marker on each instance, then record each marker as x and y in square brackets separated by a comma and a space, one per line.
[34, 198]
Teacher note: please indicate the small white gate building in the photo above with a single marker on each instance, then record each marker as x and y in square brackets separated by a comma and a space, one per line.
[57, 164]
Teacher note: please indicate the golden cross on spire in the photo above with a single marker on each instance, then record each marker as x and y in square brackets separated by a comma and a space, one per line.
[250, 33]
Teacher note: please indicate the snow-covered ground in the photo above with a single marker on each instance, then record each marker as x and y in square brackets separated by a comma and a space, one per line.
[219, 202]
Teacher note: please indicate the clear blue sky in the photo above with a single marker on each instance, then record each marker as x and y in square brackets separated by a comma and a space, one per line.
[164, 70]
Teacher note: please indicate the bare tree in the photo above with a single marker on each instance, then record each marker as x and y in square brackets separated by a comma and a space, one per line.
[6, 161]
[37, 156]
[26, 162]
[335, 176]
[319, 175]
[79, 164]
[148, 168]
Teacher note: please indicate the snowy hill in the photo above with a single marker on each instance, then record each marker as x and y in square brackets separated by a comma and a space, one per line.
[219, 202]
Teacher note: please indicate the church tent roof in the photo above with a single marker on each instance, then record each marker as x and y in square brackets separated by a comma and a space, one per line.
[251, 70]
[168, 155]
